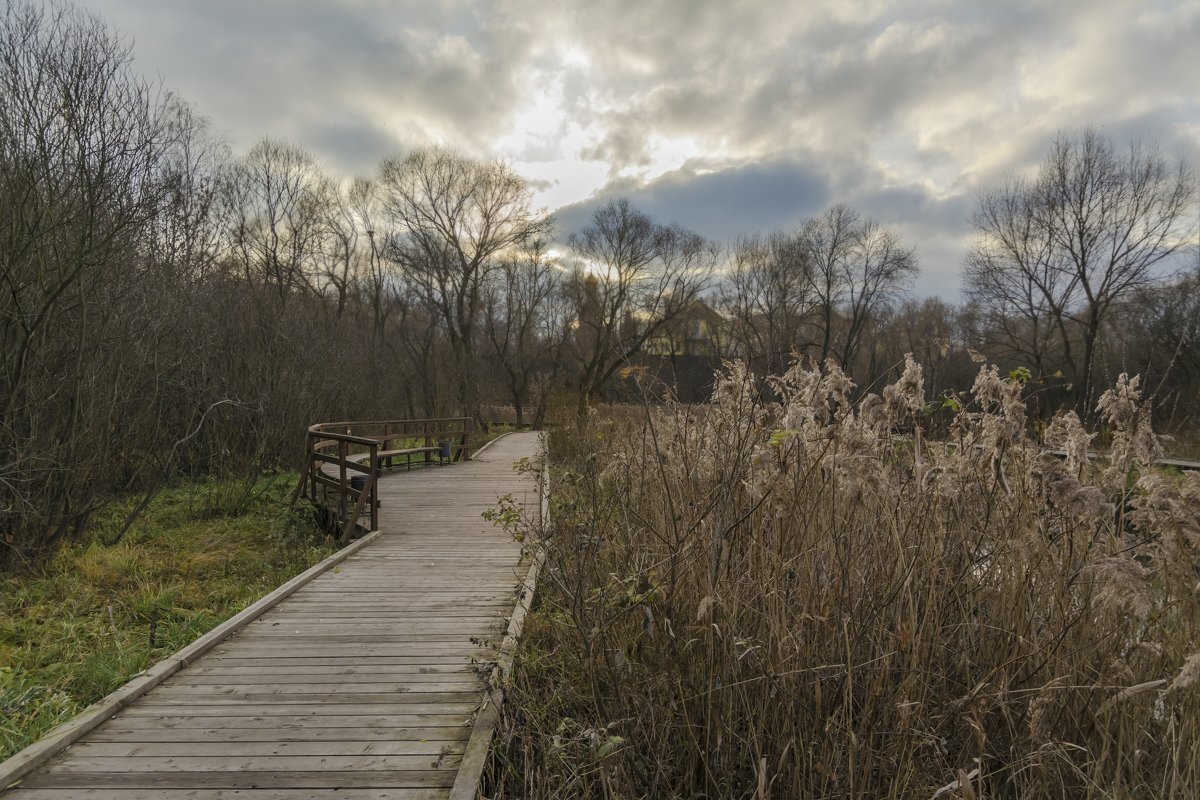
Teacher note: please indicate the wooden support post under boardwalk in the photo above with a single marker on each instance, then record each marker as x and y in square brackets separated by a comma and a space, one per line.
[361, 678]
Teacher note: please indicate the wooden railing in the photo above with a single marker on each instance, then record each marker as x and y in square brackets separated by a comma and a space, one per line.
[516, 426]
[344, 461]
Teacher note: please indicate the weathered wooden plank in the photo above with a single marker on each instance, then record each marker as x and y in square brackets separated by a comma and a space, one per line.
[178, 779]
[257, 648]
[384, 635]
[379, 578]
[466, 588]
[402, 611]
[358, 671]
[411, 649]
[210, 749]
[358, 588]
[325, 736]
[411, 652]
[69, 763]
[425, 556]
[388, 793]
[442, 609]
[364, 709]
[447, 612]
[428, 659]
[276, 687]
[315, 683]
[255, 695]
[399, 631]
[287, 723]
[345, 619]
[487, 605]
[411, 589]
[352, 589]
[411, 625]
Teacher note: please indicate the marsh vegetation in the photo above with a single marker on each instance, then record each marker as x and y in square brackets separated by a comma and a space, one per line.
[806, 597]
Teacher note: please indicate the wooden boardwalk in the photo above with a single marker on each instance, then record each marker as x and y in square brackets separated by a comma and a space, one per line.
[363, 683]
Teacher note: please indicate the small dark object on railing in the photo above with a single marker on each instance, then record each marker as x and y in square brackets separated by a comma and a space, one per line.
[445, 450]
[358, 482]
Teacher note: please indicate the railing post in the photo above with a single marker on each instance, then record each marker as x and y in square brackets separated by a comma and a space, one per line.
[314, 466]
[343, 453]
[373, 486]
[428, 442]
[468, 423]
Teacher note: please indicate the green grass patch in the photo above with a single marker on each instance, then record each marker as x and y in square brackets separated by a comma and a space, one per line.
[100, 612]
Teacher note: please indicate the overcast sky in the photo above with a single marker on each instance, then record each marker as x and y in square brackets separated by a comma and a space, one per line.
[722, 115]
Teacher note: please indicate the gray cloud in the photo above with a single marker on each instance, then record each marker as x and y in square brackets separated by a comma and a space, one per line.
[780, 195]
[721, 204]
[723, 116]
[421, 72]
[354, 142]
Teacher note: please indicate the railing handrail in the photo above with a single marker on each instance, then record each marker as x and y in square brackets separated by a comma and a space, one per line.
[344, 437]
[324, 427]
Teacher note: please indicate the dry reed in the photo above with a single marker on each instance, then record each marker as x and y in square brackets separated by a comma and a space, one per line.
[808, 599]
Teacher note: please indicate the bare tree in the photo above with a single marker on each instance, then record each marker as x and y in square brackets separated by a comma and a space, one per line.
[277, 202]
[634, 278]
[1011, 277]
[340, 256]
[1092, 228]
[1111, 218]
[82, 140]
[934, 332]
[829, 241]
[879, 270]
[375, 279]
[184, 235]
[452, 217]
[767, 295]
[857, 268]
[520, 322]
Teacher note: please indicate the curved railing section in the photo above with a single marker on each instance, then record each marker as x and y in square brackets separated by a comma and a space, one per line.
[345, 459]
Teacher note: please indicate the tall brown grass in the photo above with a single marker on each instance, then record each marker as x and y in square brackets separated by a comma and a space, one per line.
[808, 599]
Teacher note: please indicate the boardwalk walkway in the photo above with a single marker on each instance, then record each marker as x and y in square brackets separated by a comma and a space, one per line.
[363, 683]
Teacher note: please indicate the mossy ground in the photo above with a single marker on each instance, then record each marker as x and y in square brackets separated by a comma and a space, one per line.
[103, 610]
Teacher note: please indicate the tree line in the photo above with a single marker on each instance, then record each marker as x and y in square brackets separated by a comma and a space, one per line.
[171, 308]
